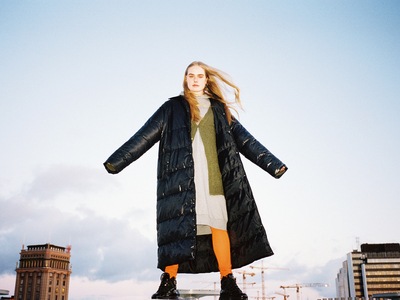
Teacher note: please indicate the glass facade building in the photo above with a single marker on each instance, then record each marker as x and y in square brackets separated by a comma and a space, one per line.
[373, 270]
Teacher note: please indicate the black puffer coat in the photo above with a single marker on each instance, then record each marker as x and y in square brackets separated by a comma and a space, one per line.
[176, 215]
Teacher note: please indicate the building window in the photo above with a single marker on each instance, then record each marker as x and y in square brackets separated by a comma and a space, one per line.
[49, 289]
[64, 283]
[20, 296]
[29, 288]
[29, 297]
[22, 274]
[22, 281]
[30, 274]
[37, 296]
[38, 288]
[39, 274]
[56, 290]
[57, 282]
[63, 290]
[38, 281]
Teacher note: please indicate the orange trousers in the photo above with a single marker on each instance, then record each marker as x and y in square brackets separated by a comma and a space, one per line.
[222, 251]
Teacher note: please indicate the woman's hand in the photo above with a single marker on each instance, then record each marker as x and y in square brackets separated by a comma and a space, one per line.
[280, 172]
[110, 167]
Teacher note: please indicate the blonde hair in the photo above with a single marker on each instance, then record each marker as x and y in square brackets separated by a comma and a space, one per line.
[217, 81]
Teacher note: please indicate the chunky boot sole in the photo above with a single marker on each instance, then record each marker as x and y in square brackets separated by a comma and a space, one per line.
[167, 289]
[166, 297]
[228, 297]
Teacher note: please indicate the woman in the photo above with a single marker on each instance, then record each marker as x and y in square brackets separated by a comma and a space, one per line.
[207, 219]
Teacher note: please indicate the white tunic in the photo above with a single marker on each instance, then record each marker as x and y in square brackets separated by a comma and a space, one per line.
[210, 209]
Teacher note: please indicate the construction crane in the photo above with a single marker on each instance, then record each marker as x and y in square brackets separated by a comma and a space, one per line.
[258, 297]
[244, 273]
[285, 296]
[297, 286]
[245, 284]
[262, 276]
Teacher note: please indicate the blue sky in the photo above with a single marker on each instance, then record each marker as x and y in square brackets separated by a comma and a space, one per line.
[320, 88]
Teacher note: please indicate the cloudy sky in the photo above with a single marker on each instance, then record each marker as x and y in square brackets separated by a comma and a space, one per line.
[320, 86]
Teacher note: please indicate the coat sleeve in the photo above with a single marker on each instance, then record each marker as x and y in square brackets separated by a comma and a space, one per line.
[254, 151]
[138, 144]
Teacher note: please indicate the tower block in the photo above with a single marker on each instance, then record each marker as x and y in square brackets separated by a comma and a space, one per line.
[43, 273]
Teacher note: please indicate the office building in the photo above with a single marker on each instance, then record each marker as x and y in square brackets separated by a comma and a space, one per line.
[373, 270]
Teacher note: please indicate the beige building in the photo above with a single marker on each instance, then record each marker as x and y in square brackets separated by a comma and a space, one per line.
[373, 270]
[43, 273]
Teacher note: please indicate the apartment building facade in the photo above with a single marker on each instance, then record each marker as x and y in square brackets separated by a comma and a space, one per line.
[373, 270]
[43, 273]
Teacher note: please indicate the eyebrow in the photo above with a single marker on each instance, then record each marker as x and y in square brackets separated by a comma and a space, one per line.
[199, 74]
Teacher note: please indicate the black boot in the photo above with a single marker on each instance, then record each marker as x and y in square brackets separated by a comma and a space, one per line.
[230, 290]
[167, 289]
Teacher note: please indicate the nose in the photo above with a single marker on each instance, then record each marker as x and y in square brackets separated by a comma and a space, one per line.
[195, 78]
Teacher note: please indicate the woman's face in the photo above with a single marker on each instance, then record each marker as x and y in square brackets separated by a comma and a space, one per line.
[196, 80]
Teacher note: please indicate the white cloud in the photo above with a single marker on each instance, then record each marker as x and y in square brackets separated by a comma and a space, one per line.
[81, 288]
[69, 180]
[126, 252]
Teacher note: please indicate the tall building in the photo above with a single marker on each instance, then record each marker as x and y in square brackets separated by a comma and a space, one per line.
[373, 270]
[43, 273]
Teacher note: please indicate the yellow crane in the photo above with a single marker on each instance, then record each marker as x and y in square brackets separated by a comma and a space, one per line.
[244, 273]
[258, 297]
[262, 276]
[297, 286]
[285, 296]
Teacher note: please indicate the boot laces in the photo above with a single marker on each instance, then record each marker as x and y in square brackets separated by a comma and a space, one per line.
[166, 283]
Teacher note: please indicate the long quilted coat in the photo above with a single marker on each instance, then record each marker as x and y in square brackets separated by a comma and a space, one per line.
[176, 197]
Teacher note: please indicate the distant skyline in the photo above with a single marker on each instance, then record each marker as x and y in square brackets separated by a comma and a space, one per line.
[320, 89]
